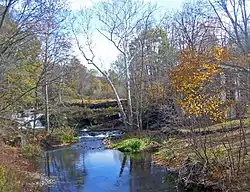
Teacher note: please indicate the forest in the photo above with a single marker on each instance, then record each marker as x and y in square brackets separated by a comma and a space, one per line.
[178, 88]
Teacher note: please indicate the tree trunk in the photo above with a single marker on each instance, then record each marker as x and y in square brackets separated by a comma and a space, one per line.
[123, 114]
[248, 91]
[130, 109]
[46, 104]
[46, 95]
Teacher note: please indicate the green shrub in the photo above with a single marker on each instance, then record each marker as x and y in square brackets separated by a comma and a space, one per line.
[66, 135]
[31, 151]
[131, 145]
[68, 138]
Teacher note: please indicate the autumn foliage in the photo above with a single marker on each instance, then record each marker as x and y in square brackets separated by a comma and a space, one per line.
[194, 79]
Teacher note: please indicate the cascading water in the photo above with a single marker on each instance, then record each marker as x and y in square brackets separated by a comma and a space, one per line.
[100, 134]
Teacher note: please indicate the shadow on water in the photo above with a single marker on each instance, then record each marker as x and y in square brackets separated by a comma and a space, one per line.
[79, 169]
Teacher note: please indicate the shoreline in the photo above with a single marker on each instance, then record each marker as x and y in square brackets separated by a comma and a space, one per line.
[59, 146]
[17, 171]
[178, 164]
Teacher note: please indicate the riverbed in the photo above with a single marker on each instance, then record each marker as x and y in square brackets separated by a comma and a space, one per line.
[88, 167]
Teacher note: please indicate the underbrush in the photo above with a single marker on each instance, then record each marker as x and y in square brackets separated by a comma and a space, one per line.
[45, 140]
[173, 153]
[12, 180]
[212, 161]
[31, 151]
[16, 170]
[65, 135]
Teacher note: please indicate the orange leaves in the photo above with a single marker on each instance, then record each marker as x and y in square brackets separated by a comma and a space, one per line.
[193, 78]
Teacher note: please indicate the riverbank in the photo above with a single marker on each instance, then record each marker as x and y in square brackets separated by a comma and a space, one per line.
[60, 137]
[202, 158]
[19, 154]
[16, 171]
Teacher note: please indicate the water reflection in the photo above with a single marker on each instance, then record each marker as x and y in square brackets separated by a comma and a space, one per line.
[80, 169]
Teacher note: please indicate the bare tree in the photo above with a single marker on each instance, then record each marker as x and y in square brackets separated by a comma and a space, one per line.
[234, 19]
[51, 31]
[194, 27]
[120, 23]
[88, 53]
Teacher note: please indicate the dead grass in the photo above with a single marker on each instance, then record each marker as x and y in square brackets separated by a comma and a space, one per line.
[175, 152]
[14, 171]
[230, 124]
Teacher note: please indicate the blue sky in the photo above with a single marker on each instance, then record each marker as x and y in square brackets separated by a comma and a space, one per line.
[105, 52]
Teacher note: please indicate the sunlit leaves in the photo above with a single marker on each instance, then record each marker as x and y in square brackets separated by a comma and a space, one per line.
[195, 80]
[23, 78]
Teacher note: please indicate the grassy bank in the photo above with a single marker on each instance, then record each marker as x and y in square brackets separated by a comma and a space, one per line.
[60, 137]
[214, 158]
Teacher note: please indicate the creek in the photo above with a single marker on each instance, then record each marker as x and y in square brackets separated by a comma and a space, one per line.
[88, 167]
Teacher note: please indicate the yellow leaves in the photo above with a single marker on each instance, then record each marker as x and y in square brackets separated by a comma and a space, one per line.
[193, 72]
[221, 54]
[203, 106]
[12, 76]
[192, 77]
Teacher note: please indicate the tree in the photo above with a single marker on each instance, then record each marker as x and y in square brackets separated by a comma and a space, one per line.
[153, 58]
[33, 41]
[194, 27]
[91, 60]
[121, 21]
[52, 34]
[233, 17]
[24, 76]
[192, 79]
[75, 81]
[19, 55]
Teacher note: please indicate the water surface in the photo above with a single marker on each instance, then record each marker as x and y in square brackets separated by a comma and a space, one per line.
[88, 167]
